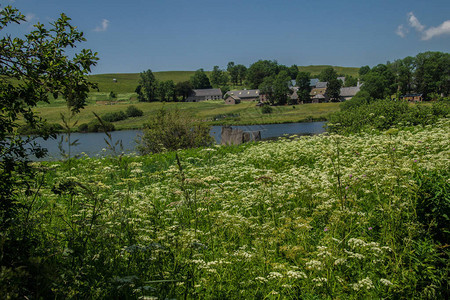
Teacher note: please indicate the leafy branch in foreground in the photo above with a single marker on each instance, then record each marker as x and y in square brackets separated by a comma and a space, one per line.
[31, 69]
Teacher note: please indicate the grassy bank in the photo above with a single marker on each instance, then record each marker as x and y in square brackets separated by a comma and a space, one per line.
[323, 217]
[213, 112]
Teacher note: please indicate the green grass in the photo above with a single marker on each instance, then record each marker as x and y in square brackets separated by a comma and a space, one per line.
[127, 82]
[248, 112]
[315, 70]
[322, 217]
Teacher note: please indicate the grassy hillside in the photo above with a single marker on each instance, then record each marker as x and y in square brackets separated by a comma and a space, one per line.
[315, 70]
[127, 82]
[213, 112]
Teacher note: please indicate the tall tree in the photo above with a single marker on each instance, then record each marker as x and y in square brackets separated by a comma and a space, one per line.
[166, 90]
[183, 89]
[42, 63]
[200, 80]
[350, 81]
[218, 77]
[432, 73]
[281, 87]
[241, 73]
[148, 86]
[234, 73]
[327, 74]
[304, 87]
[266, 88]
[363, 70]
[259, 70]
[293, 71]
[333, 89]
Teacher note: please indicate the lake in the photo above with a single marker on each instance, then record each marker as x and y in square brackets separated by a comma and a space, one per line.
[93, 144]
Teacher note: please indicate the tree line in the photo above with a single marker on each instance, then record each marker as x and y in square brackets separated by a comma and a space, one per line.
[427, 73]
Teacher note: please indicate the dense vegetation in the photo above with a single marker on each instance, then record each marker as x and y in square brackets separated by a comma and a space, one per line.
[326, 217]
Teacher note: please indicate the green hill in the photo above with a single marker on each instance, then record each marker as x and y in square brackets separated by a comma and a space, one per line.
[127, 82]
[315, 70]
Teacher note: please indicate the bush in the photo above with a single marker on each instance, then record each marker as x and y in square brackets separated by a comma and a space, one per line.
[383, 114]
[133, 111]
[45, 129]
[114, 116]
[170, 130]
[266, 109]
[95, 126]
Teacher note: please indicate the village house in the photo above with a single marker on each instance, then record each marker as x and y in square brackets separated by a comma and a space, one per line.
[232, 100]
[245, 95]
[347, 93]
[204, 94]
[412, 97]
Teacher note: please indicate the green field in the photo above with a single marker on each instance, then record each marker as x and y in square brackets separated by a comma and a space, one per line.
[248, 112]
[127, 82]
[315, 70]
[321, 217]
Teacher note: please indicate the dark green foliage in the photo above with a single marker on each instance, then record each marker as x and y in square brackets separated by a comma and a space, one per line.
[42, 67]
[350, 81]
[95, 126]
[44, 130]
[328, 74]
[266, 109]
[132, 111]
[170, 130]
[383, 114]
[433, 203]
[183, 89]
[218, 77]
[115, 116]
[333, 89]
[200, 80]
[304, 87]
[361, 98]
[260, 70]
[147, 87]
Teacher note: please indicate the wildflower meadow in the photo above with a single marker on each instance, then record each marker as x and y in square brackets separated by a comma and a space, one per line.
[312, 217]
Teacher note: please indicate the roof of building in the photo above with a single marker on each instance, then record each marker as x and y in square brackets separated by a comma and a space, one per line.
[341, 78]
[313, 81]
[321, 84]
[244, 93]
[317, 91]
[349, 91]
[207, 92]
[319, 96]
[411, 95]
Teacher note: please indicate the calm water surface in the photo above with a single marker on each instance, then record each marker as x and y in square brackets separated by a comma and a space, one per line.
[93, 144]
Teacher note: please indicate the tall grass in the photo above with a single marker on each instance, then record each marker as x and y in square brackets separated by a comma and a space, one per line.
[308, 218]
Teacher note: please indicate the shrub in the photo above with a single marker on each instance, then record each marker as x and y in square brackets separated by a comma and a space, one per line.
[266, 109]
[133, 111]
[114, 116]
[383, 114]
[170, 130]
[45, 129]
[95, 126]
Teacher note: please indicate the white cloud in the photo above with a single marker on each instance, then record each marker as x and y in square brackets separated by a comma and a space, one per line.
[30, 17]
[103, 26]
[426, 33]
[414, 22]
[401, 31]
[431, 32]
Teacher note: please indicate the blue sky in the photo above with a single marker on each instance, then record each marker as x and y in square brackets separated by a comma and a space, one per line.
[163, 35]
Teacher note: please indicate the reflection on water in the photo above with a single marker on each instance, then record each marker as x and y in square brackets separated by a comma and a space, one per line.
[93, 144]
